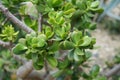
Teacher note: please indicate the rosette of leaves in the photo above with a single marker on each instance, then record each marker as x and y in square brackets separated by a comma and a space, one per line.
[8, 34]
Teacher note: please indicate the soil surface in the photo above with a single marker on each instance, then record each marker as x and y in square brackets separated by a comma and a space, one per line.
[108, 46]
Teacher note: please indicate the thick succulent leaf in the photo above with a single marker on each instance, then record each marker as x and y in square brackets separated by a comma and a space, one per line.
[92, 26]
[94, 71]
[48, 32]
[69, 11]
[66, 45]
[22, 41]
[78, 51]
[57, 73]
[99, 10]
[63, 64]
[34, 57]
[76, 36]
[94, 4]
[42, 36]
[71, 55]
[86, 41]
[54, 47]
[52, 61]
[76, 57]
[19, 49]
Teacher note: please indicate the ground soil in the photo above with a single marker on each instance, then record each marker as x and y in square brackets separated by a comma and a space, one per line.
[108, 46]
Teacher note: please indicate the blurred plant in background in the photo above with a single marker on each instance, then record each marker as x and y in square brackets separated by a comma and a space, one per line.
[112, 11]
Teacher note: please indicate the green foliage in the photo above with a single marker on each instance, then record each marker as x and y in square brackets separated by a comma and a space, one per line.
[8, 34]
[67, 22]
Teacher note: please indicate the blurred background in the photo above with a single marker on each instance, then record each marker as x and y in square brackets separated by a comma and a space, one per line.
[107, 34]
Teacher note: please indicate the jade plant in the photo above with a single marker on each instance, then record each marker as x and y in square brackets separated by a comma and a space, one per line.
[52, 36]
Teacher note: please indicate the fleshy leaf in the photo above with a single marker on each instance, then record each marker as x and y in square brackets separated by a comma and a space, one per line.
[86, 41]
[76, 36]
[94, 4]
[70, 55]
[19, 49]
[52, 61]
[94, 71]
[66, 45]
[78, 51]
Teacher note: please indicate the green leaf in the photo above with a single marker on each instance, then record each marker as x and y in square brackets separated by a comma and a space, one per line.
[54, 47]
[92, 26]
[48, 32]
[36, 42]
[56, 3]
[52, 61]
[76, 57]
[30, 9]
[70, 55]
[69, 11]
[94, 71]
[88, 55]
[20, 49]
[22, 41]
[66, 45]
[63, 64]
[29, 38]
[41, 43]
[34, 57]
[78, 51]
[94, 4]
[76, 36]
[5, 54]
[1, 62]
[86, 41]
[57, 73]
[99, 10]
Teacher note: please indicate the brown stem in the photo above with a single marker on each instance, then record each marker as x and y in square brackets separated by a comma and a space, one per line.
[113, 71]
[5, 44]
[15, 20]
[46, 68]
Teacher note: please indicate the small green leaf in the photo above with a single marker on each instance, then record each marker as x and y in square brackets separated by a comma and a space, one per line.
[92, 26]
[88, 55]
[78, 51]
[34, 57]
[94, 4]
[38, 42]
[54, 47]
[76, 57]
[69, 11]
[63, 64]
[22, 41]
[42, 36]
[86, 41]
[52, 61]
[76, 36]
[19, 49]
[94, 71]
[1, 62]
[70, 55]
[66, 45]
[48, 32]
[57, 73]
[41, 43]
[99, 10]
